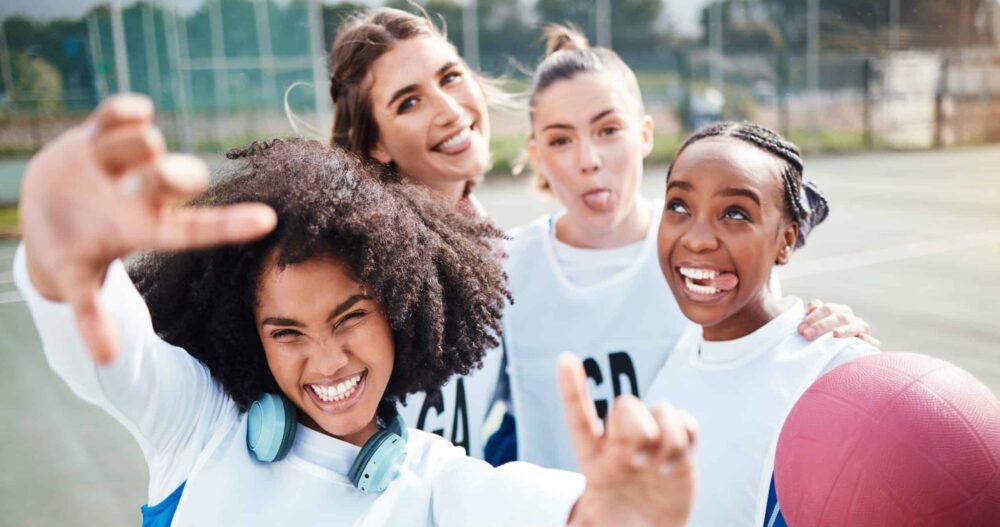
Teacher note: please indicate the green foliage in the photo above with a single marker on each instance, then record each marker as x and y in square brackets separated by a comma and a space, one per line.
[8, 219]
[37, 84]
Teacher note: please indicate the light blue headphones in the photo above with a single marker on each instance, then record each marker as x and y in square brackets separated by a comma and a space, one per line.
[271, 425]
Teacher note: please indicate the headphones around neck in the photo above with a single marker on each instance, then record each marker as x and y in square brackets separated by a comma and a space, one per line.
[271, 423]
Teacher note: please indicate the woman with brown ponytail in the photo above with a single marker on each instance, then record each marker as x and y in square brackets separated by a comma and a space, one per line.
[406, 100]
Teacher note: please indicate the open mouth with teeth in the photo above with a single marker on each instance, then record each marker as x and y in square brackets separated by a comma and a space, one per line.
[344, 390]
[707, 282]
[457, 143]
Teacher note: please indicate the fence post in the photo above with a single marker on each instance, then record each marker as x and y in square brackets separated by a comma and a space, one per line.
[866, 90]
[783, 114]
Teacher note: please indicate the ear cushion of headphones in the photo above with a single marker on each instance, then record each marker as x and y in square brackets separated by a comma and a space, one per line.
[379, 462]
[270, 427]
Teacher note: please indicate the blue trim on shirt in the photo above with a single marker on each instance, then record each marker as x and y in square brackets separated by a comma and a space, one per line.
[162, 514]
[772, 515]
[501, 447]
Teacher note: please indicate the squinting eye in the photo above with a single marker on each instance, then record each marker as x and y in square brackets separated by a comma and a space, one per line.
[450, 77]
[736, 214]
[677, 206]
[350, 317]
[559, 141]
[285, 333]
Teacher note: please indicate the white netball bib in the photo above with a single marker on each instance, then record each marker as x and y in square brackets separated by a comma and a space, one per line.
[458, 410]
[622, 328]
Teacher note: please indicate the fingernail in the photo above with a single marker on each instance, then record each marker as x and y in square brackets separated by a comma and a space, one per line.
[639, 460]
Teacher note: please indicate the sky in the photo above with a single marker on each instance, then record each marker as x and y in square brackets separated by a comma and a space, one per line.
[683, 13]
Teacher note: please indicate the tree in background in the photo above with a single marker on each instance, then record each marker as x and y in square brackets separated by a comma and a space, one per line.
[37, 84]
[54, 47]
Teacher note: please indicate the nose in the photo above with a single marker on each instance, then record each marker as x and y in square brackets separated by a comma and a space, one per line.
[700, 237]
[589, 160]
[448, 108]
[329, 357]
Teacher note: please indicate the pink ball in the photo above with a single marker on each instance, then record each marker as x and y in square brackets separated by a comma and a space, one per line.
[895, 439]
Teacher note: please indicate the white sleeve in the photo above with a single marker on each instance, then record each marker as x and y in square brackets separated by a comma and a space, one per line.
[469, 491]
[165, 398]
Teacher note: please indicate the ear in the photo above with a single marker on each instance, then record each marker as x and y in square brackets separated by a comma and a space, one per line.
[379, 153]
[533, 156]
[647, 132]
[789, 235]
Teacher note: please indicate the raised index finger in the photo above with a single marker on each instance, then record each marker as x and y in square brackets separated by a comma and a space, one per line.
[584, 425]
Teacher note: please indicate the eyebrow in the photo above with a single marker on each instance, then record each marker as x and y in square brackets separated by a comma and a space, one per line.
[413, 87]
[594, 119]
[732, 191]
[334, 313]
[683, 185]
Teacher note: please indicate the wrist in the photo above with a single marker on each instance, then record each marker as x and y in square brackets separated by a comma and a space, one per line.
[44, 283]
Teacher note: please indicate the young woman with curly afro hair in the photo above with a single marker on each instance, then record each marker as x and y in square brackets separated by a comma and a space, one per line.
[260, 378]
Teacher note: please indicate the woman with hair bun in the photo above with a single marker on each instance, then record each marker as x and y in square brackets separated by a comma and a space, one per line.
[586, 279]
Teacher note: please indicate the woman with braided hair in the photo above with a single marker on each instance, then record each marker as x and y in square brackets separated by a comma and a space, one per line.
[736, 207]
[260, 378]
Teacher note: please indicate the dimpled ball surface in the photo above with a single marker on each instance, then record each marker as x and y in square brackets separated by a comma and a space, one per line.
[895, 439]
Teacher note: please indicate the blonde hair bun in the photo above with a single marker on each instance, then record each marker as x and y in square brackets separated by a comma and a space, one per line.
[563, 38]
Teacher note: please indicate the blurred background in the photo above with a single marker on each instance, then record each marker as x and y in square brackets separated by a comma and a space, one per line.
[833, 75]
[896, 103]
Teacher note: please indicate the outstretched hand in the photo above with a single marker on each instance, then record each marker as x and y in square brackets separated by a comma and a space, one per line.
[640, 471]
[106, 188]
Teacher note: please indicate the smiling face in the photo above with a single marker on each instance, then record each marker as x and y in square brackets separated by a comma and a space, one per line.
[589, 139]
[328, 345]
[431, 114]
[723, 229]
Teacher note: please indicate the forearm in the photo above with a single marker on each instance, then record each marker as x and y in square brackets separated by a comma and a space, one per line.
[62, 343]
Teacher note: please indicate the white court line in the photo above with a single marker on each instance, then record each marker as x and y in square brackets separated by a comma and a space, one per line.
[10, 297]
[891, 254]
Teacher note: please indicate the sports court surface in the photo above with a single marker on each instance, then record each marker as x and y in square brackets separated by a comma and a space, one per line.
[912, 244]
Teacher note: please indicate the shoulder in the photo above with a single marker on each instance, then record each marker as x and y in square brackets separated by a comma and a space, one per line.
[847, 350]
[427, 453]
[525, 240]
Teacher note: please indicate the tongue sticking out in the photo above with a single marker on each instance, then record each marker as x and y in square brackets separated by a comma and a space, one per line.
[597, 200]
[725, 281]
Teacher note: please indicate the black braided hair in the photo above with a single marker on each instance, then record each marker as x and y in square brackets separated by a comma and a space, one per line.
[804, 203]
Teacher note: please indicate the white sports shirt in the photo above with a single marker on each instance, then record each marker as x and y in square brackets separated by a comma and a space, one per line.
[741, 391]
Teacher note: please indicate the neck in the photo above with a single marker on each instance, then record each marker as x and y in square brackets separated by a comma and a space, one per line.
[358, 438]
[631, 229]
[764, 308]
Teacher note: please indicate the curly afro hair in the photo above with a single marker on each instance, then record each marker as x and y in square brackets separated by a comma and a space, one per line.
[436, 273]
